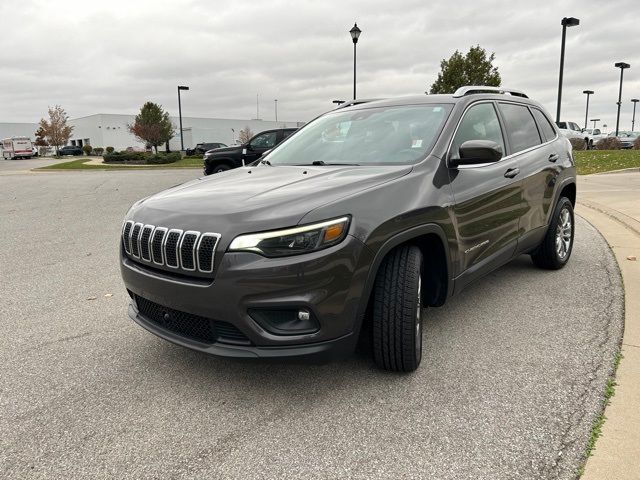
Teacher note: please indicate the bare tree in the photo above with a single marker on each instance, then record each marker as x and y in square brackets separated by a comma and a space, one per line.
[245, 135]
[56, 132]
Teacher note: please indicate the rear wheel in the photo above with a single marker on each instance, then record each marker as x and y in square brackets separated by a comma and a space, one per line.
[221, 168]
[397, 311]
[555, 250]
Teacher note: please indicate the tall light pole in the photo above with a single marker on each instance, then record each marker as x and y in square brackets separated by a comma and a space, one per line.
[586, 113]
[621, 66]
[355, 34]
[181, 87]
[566, 22]
[276, 102]
[594, 120]
[633, 120]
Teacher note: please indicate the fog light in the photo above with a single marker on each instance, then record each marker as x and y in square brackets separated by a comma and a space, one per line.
[293, 321]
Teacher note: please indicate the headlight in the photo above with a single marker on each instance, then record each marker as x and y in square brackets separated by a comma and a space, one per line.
[293, 241]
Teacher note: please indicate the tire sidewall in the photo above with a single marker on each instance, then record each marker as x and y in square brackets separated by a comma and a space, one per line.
[562, 204]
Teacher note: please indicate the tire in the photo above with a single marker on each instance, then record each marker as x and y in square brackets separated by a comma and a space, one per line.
[397, 311]
[221, 168]
[555, 250]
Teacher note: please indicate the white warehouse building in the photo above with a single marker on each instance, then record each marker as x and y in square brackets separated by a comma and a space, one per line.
[110, 130]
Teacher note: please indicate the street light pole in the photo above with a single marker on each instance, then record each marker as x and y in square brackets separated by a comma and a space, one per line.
[621, 66]
[633, 120]
[181, 87]
[566, 22]
[586, 113]
[355, 34]
[276, 102]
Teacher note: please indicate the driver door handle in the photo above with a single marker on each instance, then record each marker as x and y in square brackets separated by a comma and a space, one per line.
[512, 172]
[553, 157]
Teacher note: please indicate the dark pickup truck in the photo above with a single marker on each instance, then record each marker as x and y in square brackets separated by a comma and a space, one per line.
[222, 159]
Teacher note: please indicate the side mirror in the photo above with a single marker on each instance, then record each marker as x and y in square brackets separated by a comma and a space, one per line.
[475, 152]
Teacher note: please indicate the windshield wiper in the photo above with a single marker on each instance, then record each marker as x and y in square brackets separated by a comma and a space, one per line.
[319, 163]
[265, 162]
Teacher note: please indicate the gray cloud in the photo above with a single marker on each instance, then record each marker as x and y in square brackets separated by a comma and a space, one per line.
[111, 57]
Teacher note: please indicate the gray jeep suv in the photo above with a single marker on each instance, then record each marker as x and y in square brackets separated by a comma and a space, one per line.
[355, 224]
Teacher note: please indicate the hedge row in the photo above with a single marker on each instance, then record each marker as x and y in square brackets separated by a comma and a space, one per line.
[141, 158]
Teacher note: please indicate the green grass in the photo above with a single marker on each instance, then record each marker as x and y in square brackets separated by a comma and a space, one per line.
[596, 427]
[80, 164]
[598, 161]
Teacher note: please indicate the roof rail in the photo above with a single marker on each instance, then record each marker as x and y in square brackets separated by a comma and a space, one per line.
[357, 101]
[470, 90]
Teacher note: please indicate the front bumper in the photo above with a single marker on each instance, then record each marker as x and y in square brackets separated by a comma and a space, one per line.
[329, 283]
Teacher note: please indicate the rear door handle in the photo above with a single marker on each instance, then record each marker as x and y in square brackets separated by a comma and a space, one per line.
[553, 157]
[512, 172]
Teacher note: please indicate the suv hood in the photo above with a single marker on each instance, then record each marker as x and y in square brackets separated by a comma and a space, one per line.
[252, 199]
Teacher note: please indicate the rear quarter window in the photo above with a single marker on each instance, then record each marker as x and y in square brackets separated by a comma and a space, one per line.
[545, 125]
[521, 127]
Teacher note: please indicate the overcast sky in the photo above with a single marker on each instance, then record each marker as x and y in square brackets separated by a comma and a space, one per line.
[112, 56]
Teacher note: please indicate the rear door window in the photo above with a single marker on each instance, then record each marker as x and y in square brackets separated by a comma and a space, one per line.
[521, 127]
[545, 125]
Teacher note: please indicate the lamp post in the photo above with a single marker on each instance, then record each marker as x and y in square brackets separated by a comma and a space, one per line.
[586, 113]
[594, 120]
[181, 87]
[566, 22]
[633, 119]
[355, 34]
[276, 102]
[621, 66]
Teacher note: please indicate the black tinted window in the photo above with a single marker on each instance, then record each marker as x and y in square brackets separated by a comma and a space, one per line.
[286, 133]
[521, 128]
[479, 123]
[264, 140]
[544, 124]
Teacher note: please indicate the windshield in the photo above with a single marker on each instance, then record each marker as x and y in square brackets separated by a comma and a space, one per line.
[382, 135]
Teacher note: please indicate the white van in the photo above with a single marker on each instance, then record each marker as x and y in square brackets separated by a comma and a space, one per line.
[17, 147]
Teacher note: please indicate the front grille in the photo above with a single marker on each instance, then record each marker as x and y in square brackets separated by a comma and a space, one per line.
[190, 251]
[190, 326]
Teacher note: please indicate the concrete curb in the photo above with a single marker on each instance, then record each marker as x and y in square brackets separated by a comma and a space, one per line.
[622, 170]
[618, 448]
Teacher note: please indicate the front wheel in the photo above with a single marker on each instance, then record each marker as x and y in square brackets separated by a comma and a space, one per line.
[555, 250]
[221, 168]
[397, 311]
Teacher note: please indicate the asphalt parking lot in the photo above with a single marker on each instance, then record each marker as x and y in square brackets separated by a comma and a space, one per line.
[512, 375]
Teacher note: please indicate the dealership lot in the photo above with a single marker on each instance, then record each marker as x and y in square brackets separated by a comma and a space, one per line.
[510, 383]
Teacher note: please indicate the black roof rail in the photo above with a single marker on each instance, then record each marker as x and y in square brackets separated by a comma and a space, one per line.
[473, 89]
[357, 101]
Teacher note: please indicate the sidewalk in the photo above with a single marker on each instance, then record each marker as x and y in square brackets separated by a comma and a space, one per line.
[612, 204]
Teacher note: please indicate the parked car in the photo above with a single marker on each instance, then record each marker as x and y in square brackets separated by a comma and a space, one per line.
[357, 224]
[70, 150]
[626, 138]
[202, 148]
[594, 135]
[572, 130]
[223, 159]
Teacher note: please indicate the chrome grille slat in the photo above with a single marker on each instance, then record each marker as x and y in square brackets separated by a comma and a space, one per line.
[206, 251]
[145, 238]
[157, 242]
[171, 248]
[126, 232]
[188, 250]
[188, 244]
[135, 240]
